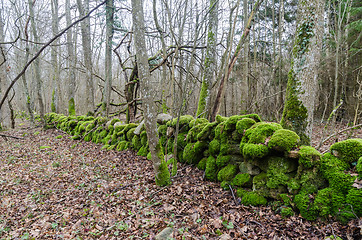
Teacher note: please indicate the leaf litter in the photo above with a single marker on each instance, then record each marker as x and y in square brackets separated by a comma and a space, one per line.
[58, 188]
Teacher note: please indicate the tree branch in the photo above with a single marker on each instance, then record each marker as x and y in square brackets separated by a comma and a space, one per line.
[43, 48]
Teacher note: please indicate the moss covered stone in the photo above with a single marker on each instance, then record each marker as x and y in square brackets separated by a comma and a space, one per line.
[349, 150]
[309, 156]
[183, 123]
[208, 132]
[222, 161]
[202, 164]
[283, 140]
[259, 132]
[354, 198]
[220, 119]
[328, 201]
[214, 147]
[193, 152]
[211, 169]
[143, 151]
[227, 173]
[244, 124]
[198, 121]
[286, 212]
[242, 180]
[193, 132]
[304, 202]
[252, 151]
[253, 199]
[359, 167]
[225, 185]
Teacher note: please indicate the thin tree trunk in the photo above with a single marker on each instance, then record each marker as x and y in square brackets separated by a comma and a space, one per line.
[36, 62]
[54, 59]
[70, 62]
[225, 77]
[108, 54]
[162, 175]
[210, 61]
[87, 54]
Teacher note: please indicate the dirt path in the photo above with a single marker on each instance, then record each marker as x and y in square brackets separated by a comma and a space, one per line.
[57, 188]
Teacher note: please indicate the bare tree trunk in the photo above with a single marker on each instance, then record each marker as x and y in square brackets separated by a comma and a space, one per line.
[210, 61]
[225, 77]
[108, 61]
[54, 59]
[302, 82]
[5, 117]
[70, 62]
[162, 175]
[87, 54]
[36, 62]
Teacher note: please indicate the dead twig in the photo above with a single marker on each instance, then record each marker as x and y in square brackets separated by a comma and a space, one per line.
[232, 193]
[6, 136]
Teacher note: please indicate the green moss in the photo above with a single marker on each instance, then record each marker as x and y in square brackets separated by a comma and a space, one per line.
[253, 199]
[309, 156]
[341, 181]
[229, 149]
[259, 132]
[192, 134]
[163, 178]
[136, 142]
[71, 107]
[244, 124]
[225, 185]
[193, 152]
[214, 147]
[304, 202]
[220, 119]
[283, 140]
[230, 123]
[198, 121]
[162, 130]
[252, 151]
[183, 123]
[330, 163]
[259, 181]
[173, 161]
[143, 151]
[295, 113]
[349, 150]
[222, 161]
[354, 198]
[59, 137]
[241, 180]
[130, 134]
[144, 140]
[202, 164]
[121, 145]
[149, 156]
[311, 180]
[208, 132]
[227, 173]
[287, 212]
[328, 201]
[211, 169]
[219, 130]
[359, 167]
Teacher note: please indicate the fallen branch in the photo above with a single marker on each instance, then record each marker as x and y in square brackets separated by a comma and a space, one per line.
[5, 136]
[335, 134]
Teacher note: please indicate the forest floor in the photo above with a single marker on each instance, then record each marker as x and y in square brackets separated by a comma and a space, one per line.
[58, 188]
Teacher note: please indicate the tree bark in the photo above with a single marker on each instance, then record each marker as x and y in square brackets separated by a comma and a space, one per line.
[54, 59]
[36, 62]
[210, 61]
[87, 54]
[70, 63]
[162, 175]
[108, 61]
[302, 80]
